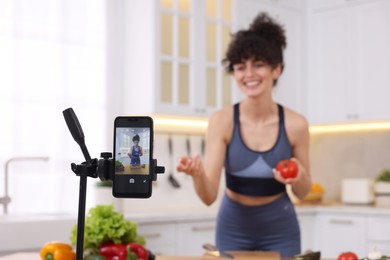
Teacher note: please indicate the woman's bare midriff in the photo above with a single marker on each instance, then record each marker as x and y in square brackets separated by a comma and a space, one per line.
[252, 200]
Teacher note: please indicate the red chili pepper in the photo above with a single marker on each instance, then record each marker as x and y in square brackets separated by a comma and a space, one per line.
[113, 251]
[139, 250]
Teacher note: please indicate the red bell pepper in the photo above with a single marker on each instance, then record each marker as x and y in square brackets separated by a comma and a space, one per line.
[113, 251]
[130, 251]
[139, 250]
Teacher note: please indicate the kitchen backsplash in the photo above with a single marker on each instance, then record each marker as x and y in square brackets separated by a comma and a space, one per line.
[334, 156]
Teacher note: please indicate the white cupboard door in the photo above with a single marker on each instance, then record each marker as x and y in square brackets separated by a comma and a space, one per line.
[289, 90]
[371, 79]
[378, 234]
[341, 233]
[307, 225]
[329, 69]
[160, 238]
[348, 62]
[191, 237]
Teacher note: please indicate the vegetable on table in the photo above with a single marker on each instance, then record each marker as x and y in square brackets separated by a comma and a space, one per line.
[141, 252]
[348, 256]
[130, 251]
[309, 255]
[57, 251]
[94, 257]
[374, 255]
[287, 168]
[103, 225]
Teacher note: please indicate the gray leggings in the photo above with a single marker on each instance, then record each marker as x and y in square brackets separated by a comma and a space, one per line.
[270, 227]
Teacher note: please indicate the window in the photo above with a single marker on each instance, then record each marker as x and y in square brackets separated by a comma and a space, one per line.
[176, 18]
[52, 56]
[218, 29]
[194, 36]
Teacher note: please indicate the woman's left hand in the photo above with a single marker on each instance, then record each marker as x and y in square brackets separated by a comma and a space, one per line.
[280, 179]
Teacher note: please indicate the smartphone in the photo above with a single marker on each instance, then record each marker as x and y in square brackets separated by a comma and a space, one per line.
[133, 151]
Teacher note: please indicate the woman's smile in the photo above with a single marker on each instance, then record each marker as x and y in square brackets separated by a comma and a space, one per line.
[252, 84]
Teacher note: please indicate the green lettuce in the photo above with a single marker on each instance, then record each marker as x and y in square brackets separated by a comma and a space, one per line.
[104, 225]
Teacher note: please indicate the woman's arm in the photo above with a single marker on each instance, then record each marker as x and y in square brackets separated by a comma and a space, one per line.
[298, 133]
[301, 155]
[207, 177]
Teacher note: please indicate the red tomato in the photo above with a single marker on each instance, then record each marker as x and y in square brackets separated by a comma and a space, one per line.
[287, 168]
[347, 256]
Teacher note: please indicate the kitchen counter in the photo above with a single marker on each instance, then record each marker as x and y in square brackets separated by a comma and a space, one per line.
[336, 207]
[38, 229]
[29, 232]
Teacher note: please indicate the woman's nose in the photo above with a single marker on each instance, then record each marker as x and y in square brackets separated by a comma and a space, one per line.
[249, 71]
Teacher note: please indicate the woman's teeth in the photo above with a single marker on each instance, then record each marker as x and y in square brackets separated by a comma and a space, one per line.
[252, 83]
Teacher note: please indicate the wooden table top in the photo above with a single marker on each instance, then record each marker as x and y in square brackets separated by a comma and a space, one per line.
[241, 255]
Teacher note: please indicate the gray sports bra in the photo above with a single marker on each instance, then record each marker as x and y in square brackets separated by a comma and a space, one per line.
[250, 172]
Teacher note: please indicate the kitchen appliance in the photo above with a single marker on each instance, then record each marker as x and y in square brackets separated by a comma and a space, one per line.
[357, 191]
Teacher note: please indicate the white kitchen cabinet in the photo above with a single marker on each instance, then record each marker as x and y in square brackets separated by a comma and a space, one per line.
[172, 53]
[338, 233]
[192, 235]
[308, 227]
[348, 56]
[290, 90]
[178, 237]
[378, 234]
[160, 237]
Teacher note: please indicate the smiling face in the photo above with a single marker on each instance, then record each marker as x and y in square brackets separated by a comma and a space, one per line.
[255, 77]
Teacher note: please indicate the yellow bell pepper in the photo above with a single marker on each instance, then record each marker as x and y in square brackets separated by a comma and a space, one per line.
[57, 251]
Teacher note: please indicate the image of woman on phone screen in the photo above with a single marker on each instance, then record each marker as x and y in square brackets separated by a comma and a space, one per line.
[136, 151]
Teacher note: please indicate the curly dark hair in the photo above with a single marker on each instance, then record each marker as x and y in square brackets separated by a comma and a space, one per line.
[136, 138]
[264, 40]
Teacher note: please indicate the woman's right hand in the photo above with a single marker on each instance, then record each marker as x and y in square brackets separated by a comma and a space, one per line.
[190, 165]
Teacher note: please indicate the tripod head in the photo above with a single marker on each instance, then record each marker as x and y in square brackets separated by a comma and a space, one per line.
[102, 168]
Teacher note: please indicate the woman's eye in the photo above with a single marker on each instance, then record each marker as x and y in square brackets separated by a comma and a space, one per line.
[239, 67]
[259, 64]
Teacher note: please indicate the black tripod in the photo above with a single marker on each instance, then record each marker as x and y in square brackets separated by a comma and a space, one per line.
[102, 168]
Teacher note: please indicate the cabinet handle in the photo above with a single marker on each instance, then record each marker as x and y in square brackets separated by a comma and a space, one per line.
[152, 235]
[202, 228]
[200, 110]
[341, 222]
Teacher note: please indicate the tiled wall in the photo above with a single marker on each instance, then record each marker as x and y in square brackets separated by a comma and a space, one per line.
[335, 156]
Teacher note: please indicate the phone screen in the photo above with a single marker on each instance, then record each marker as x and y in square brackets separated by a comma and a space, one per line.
[133, 150]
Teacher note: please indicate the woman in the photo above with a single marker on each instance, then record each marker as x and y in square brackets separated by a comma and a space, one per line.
[136, 151]
[248, 139]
